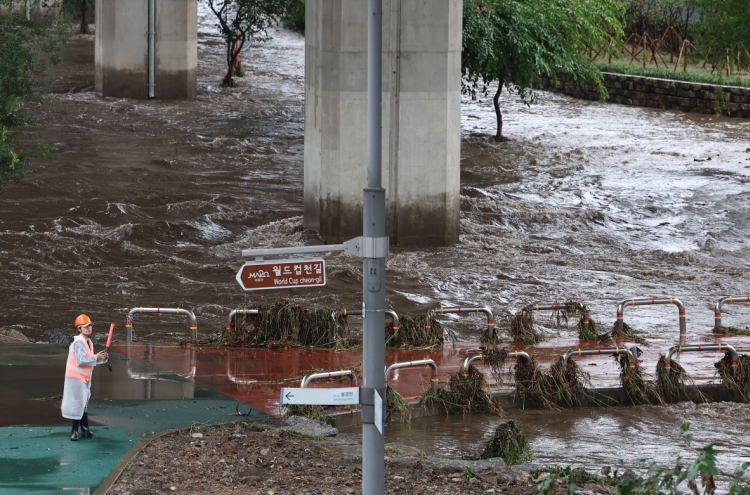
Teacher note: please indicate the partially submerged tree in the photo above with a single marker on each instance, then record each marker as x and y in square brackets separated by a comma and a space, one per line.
[26, 47]
[243, 21]
[515, 42]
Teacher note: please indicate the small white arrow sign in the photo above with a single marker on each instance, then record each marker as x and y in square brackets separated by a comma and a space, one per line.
[320, 396]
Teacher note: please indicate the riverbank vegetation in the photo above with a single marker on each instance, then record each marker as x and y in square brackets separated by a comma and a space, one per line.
[27, 48]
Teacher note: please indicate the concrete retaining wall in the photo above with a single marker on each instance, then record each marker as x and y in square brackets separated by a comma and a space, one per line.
[659, 93]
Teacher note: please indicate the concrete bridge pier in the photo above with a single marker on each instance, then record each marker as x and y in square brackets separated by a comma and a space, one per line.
[421, 118]
[123, 42]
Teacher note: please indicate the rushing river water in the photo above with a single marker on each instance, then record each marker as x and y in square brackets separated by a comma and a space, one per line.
[151, 202]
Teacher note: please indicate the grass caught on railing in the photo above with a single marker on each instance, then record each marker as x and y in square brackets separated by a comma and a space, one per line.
[627, 333]
[563, 384]
[637, 389]
[590, 332]
[522, 327]
[464, 394]
[284, 324]
[494, 359]
[509, 443]
[396, 409]
[423, 332]
[671, 382]
[735, 378]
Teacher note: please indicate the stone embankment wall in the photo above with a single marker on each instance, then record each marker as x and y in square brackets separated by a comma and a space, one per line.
[660, 93]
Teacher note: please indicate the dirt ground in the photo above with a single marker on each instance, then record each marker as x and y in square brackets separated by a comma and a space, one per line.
[254, 458]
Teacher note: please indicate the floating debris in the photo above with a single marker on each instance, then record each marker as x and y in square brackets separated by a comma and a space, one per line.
[735, 378]
[419, 332]
[509, 443]
[464, 394]
[397, 409]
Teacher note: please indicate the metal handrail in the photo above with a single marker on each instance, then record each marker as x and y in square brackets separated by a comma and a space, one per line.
[645, 301]
[721, 302]
[394, 316]
[483, 309]
[699, 348]
[467, 362]
[412, 364]
[230, 318]
[179, 311]
[319, 375]
[239, 381]
[611, 351]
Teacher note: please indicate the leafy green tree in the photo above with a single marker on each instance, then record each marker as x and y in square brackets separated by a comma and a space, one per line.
[26, 48]
[725, 33]
[243, 21]
[514, 42]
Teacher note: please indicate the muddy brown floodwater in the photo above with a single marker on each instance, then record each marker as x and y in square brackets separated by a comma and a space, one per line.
[151, 202]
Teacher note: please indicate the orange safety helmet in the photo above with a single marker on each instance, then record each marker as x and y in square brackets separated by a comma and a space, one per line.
[82, 320]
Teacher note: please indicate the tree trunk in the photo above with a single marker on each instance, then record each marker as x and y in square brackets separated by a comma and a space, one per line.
[231, 60]
[496, 101]
[84, 26]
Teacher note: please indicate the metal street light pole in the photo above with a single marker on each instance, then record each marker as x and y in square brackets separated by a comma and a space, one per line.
[373, 286]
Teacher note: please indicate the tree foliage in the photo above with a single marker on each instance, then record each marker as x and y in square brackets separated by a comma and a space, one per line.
[725, 32]
[26, 48]
[515, 42]
[244, 21]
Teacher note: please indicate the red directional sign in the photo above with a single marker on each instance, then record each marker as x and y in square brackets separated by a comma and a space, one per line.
[282, 274]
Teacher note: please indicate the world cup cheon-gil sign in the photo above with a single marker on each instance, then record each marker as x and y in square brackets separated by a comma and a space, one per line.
[282, 274]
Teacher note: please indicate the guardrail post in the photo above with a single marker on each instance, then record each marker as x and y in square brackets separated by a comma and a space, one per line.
[721, 302]
[159, 310]
[646, 301]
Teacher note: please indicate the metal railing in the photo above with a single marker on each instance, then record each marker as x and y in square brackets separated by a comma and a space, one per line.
[646, 301]
[463, 310]
[179, 311]
[721, 302]
[467, 362]
[138, 375]
[413, 364]
[607, 351]
[699, 348]
[230, 318]
[320, 375]
[394, 316]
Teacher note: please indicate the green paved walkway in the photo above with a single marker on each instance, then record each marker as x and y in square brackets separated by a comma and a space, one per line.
[44, 460]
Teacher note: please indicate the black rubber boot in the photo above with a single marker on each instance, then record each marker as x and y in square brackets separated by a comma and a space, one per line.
[74, 432]
[85, 431]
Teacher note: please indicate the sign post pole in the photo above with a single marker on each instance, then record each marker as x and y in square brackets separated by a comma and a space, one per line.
[373, 290]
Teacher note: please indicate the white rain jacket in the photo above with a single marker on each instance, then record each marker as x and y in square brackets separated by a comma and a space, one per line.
[77, 390]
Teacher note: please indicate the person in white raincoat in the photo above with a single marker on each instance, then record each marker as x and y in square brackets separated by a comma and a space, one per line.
[77, 390]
